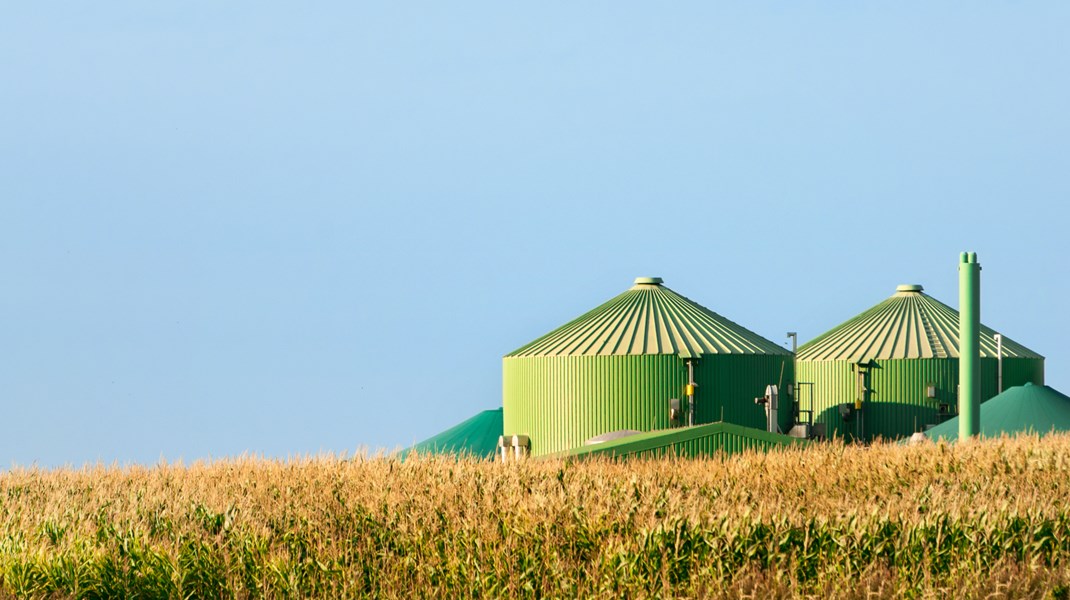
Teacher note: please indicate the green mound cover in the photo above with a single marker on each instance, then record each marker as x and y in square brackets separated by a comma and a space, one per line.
[477, 437]
[1023, 408]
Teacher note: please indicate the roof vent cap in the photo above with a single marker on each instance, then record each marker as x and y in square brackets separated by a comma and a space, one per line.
[649, 281]
[908, 287]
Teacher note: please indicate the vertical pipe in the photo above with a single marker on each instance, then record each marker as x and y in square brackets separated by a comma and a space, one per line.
[969, 345]
[691, 393]
[999, 363]
[793, 385]
[862, 403]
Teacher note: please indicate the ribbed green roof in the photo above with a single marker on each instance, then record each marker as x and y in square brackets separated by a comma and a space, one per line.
[649, 318]
[1032, 408]
[477, 436]
[910, 324]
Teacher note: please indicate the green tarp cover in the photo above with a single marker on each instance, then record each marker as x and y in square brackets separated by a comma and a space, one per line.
[1032, 408]
[477, 436]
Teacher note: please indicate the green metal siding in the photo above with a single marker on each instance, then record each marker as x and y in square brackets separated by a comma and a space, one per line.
[562, 401]
[728, 385]
[897, 404]
[699, 441]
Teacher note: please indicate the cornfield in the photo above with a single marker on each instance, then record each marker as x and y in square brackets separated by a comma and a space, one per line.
[985, 520]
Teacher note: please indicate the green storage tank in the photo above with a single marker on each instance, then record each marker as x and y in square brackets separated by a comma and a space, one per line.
[894, 369]
[618, 367]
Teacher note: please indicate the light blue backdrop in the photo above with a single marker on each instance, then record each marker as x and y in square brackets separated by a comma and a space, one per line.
[283, 228]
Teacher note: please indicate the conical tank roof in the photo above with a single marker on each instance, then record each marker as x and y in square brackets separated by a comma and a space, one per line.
[649, 318]
[910, 324]
[1035, 408]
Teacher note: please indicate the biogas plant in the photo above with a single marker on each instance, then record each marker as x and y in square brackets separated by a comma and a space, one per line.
[651, 372]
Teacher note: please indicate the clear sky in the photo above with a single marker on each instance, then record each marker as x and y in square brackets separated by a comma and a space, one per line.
[285, 228]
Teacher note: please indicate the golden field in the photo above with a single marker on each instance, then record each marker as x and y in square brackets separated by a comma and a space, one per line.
[987, 520]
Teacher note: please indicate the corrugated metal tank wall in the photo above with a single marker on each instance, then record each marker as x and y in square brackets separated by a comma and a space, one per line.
[561, 401]
[897, 404]
[728, 386]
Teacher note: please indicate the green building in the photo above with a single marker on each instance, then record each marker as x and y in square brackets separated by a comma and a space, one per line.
[630, 364]
[893, 369]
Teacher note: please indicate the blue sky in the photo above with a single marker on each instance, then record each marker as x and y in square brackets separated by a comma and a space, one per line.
[291, 228]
